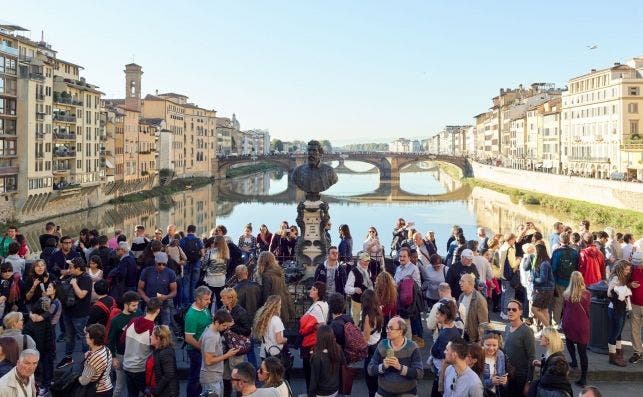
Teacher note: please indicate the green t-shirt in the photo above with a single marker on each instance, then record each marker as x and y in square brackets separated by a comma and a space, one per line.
[196, 321]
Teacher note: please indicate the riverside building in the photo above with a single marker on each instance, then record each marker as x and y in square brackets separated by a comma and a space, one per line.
[601, 131]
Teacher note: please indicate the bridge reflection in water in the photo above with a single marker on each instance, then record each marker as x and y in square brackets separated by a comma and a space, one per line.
[268, 198]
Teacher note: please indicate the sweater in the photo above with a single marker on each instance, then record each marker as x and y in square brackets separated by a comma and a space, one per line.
[575, 320]
[116, 327]
[390, 381]
[42, 335]
[520, 349]
[138, 344]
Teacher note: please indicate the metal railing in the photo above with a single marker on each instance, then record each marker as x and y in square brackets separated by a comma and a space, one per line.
[4, 47]
[68, 118]
[65, 136]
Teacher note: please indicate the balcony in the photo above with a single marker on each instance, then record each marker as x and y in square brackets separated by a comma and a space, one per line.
[4, 47]
[634, 144]
[61, 168]
[64, 185]
[25, 58]
[40, 116]
[64, 152]
[588, 159]
[64, 136]
[8, 171]
[66, 100]
[64, 117]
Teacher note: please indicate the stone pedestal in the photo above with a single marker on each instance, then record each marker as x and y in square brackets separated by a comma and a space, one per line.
[312, 245]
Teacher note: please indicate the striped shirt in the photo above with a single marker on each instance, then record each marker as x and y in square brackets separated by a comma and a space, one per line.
[96, 369]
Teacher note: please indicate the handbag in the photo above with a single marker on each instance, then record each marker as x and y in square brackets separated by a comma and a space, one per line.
[237, 341]
[88, 390]
[283, 354]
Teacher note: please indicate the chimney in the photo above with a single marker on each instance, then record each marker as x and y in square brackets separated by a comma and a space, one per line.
[157, 92]
[593, 70]
[617, 64]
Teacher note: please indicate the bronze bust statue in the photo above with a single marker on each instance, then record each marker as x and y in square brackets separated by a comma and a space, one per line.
[314, 177]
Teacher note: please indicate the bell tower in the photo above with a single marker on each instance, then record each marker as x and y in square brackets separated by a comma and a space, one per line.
[133, 73]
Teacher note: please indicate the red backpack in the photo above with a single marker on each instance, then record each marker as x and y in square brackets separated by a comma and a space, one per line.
[356, 348]
[111, 312]
[406, 291]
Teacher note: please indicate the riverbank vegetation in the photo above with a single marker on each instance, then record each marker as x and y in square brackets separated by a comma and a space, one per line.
[176, 185]
[250, 169]
[620, 219]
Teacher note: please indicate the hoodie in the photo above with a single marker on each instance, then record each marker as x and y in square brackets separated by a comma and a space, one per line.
[138, 344]
[591, 265]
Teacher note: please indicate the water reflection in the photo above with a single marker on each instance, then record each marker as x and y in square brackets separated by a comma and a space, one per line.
[357, 199]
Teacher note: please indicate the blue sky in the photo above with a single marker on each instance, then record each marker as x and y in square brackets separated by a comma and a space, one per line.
[348, 71]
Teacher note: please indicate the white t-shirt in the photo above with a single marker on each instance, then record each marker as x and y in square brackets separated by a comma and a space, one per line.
[265, 392]
[491, 362]
[282, 390]
[319, 310]
[269, 340]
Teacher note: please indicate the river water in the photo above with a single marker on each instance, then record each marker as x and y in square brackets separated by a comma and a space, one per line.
[428, 197]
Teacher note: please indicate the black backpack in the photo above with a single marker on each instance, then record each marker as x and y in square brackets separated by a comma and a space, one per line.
[66, 294]
[566, 265]
[192, 250]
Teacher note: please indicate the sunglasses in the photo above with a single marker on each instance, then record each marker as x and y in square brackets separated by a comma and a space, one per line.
[512, 309]
[262, 371]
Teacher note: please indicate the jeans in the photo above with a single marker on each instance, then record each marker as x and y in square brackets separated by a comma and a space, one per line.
[135, 383]
[165, 314]
[74, 328]
[617, 321]
[508, 293]
[194, 387]
[216, 387]
[120, 385]
[191, 276]
[416, 326]
[252, 356]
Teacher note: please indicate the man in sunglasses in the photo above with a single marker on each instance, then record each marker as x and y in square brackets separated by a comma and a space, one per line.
[243, 380]
[459, 379]
[159, 281]
[520, 349]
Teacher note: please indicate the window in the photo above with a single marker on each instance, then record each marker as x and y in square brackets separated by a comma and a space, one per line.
[633, 108]
[633, 91]
[634, 126]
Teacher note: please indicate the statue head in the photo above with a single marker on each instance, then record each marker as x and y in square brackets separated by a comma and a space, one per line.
[315, 151]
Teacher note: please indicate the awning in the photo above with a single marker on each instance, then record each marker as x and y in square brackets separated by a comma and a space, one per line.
[548, 164]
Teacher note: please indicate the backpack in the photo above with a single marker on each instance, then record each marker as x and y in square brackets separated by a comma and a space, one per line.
[356, 348]
[112, 312]
[67, 295]
[192, 250]
[566, 265]
[406, 291]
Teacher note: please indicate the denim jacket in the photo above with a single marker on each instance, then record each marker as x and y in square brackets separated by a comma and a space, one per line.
[500, 369]
[543, 277]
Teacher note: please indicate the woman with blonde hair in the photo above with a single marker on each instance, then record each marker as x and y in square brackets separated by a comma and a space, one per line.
[575, 323]
[617, 291]
[273, 283]
[553, 368]
[386, 292]
[269, 328]
[164, 368]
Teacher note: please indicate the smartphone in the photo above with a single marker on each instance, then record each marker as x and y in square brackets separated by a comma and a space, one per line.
[390, 353]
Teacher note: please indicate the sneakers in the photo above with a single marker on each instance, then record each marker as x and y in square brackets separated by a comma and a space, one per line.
[636, 357]
[65, 362]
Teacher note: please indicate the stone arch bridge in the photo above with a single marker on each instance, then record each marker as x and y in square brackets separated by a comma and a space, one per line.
[388, 164]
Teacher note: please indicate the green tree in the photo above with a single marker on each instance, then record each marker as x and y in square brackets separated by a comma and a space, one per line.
[328, 148]
[277, 145]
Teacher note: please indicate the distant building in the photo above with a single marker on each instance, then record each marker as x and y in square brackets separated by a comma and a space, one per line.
[404, 145]
[601, 131]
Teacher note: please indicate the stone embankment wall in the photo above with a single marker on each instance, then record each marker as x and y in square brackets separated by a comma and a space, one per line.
[627, 195]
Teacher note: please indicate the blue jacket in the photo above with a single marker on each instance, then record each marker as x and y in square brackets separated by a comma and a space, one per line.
[543, 277]
[501, 369]
[126, 270]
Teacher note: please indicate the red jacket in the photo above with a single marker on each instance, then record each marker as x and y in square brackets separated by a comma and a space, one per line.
[637, 293]
[592, 265]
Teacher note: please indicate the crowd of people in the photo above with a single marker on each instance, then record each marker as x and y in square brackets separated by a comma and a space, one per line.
[126, 302]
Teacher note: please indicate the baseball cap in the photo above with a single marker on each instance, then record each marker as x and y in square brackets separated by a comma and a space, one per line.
[364, 256]
[467, 254]
[160, 257]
